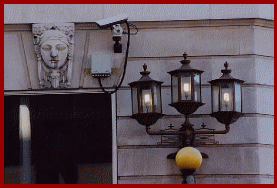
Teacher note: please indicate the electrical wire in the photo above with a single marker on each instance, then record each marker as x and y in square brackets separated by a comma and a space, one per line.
[124, 68]
[135, 29]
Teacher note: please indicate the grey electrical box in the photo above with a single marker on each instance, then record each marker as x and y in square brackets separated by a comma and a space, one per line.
[100, 65]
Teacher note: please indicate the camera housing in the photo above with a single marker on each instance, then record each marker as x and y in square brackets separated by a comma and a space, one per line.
[108, 22]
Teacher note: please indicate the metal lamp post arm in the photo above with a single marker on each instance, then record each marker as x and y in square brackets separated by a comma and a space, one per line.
[164, 132]
[227, 128]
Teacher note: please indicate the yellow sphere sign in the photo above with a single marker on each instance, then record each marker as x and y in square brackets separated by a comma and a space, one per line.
[188, 158]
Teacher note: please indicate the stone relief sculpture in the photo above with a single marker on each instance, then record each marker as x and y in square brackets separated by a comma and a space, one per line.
[54, 45]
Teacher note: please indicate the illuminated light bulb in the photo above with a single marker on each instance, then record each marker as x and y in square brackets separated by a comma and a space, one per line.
[147, 102]
[186, 87]
[226, 97]
[187, 90]
[147, 98]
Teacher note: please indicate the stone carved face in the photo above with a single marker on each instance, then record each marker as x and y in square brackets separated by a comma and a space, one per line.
[54, 45]
[54, 49]
[54, 53]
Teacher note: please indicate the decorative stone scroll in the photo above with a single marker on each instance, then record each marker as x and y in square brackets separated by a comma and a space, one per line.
[54, 45]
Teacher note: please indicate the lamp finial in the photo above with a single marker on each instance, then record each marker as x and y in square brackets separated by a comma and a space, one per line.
[185, 55]
[144, 72]
[226, 65]
[144, 67]
[226, 70]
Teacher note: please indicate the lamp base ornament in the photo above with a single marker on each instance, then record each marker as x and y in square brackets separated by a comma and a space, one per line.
[147, 119]
[186, 107]
[226, 117]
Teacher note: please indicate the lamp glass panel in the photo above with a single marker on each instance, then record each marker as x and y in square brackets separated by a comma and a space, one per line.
[146, 100]
[237, 97]
[174, 85]
[135, 100]
[215, 98]
[226, 97]
[186, 87]
[157, 98]
[197, 91]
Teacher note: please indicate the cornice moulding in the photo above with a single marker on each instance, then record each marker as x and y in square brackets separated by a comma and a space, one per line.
[258, 22]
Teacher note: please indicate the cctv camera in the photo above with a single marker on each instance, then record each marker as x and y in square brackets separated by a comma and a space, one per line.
[121, 18]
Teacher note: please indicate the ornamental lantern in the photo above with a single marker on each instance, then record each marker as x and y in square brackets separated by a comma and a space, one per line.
[186, 88]
[226, 97]
[146, 99]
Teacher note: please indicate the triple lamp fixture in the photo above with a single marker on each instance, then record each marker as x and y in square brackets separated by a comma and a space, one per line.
[186, 98]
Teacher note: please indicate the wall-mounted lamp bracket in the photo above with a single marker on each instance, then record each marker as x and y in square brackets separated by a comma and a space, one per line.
[173, 155]
[187, 132]
[186, 99]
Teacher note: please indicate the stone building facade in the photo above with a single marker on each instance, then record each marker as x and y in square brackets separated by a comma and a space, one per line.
[242, 35]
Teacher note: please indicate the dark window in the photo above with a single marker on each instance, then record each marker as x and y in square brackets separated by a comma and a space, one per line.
[11, 131]
[69, 130]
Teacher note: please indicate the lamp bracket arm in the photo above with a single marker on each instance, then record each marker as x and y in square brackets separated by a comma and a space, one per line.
[173, 155]
[227, 129]
[164, 132]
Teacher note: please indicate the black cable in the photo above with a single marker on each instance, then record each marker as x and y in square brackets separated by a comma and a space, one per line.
[124, 69]
[135, 29]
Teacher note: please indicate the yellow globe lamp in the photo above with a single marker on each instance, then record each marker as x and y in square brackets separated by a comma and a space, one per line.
[188, 158]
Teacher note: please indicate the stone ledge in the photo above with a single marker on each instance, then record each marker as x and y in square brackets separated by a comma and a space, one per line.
[205, 23]
[206, 146]
[200, 179]
[178, 58]
[196, 176]
[17, 27]
[98, 90]
[203, 115]
[166, 24]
